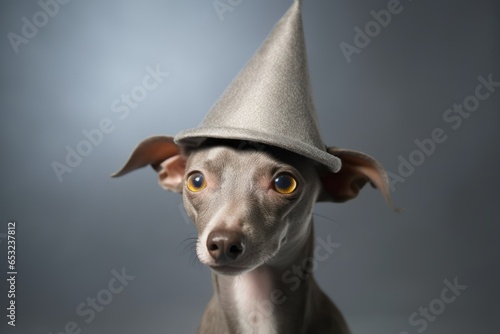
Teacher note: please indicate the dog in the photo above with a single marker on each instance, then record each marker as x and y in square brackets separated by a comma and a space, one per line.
[252, 207]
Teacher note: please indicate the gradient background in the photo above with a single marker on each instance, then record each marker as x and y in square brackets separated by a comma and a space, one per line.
[71, 234]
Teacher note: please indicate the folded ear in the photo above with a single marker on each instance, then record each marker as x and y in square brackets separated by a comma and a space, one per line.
[357, 169]
[164, 156]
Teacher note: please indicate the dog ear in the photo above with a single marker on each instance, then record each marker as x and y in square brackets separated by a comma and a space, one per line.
[357, 169]
[171, 174]
[164, 156]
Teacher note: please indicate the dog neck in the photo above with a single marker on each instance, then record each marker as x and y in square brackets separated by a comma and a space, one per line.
[270, 299]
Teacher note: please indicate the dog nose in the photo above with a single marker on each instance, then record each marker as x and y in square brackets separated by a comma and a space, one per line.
[225, 246]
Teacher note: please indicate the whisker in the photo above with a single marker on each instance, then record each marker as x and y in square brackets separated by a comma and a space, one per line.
[188, 246]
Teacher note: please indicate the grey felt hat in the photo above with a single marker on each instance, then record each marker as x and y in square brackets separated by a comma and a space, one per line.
[270, 100]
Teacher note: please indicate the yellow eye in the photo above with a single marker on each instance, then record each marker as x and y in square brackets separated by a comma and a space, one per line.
[285, 184]
[196, 182]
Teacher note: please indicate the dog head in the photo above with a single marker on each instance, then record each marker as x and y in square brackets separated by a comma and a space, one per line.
[251, 203]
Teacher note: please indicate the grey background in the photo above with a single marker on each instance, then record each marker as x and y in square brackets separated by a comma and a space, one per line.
[71, 234]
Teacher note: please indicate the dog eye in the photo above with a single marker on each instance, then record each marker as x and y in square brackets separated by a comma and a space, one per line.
[285, 184]
[196, 182]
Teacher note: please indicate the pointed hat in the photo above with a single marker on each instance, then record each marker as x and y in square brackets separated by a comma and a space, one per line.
[270, 100]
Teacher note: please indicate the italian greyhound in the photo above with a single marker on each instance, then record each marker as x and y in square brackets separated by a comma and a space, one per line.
[252, 206]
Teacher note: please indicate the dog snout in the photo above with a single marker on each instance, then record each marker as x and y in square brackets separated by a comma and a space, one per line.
[225, 246]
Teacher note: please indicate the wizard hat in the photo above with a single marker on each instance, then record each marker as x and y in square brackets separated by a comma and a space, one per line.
[270, 100]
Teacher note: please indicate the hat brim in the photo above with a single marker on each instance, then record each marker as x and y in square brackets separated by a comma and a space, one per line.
[194, 137]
